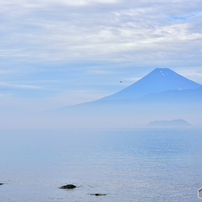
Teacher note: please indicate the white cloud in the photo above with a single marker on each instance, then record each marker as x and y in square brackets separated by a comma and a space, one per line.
[98, 71]
[84, 2]
[29, 4]
[75, 97]
[4, 95]
[194, 73]
[52, 33]
[5, 71]
[19, 86]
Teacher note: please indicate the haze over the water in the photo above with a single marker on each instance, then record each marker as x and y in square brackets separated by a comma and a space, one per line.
[162, 94]
[59, 53]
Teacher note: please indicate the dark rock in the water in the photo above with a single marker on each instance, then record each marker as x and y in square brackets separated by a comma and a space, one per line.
[68, 186]
[97, 194]
[1, 183]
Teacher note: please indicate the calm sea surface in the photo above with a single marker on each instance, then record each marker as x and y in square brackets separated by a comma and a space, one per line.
[127, 165]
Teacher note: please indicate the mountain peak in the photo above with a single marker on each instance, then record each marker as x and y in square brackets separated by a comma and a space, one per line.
[162, 71]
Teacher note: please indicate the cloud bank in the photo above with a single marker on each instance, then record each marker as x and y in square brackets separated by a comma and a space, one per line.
[99, 29]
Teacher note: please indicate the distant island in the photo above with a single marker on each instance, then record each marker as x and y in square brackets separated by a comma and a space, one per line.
[172, 123]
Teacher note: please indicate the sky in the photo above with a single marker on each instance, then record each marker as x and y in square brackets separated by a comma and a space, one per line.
[55, 53]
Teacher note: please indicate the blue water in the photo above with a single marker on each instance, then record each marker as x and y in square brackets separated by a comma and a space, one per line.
[127, 165]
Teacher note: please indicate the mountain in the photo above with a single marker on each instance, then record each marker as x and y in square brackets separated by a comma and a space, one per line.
[160, 95]
[157, 81]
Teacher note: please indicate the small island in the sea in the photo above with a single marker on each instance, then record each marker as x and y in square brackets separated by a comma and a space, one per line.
[172, 123]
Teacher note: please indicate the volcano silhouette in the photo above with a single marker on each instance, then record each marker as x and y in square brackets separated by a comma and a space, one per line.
[161, 85]
[157, 81]
[160, 95]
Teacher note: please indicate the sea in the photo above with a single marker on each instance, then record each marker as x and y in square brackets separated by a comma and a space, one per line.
[110, 165]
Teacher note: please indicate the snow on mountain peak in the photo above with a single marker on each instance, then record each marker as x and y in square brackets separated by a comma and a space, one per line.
[162, 73]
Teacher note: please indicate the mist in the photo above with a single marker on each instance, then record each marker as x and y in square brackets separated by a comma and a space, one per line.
[160, 95]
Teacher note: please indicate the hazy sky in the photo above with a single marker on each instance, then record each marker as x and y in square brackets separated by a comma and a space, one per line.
[59, 52]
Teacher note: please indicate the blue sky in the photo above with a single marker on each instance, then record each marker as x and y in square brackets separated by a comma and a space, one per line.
[55, 53]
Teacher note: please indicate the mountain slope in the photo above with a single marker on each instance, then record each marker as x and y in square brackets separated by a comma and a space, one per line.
[189, 96]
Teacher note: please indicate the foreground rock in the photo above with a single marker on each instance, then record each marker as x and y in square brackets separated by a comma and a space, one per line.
[97, 194]
[68, 186]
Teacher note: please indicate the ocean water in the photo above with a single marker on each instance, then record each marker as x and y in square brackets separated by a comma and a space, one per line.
[126, 165]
